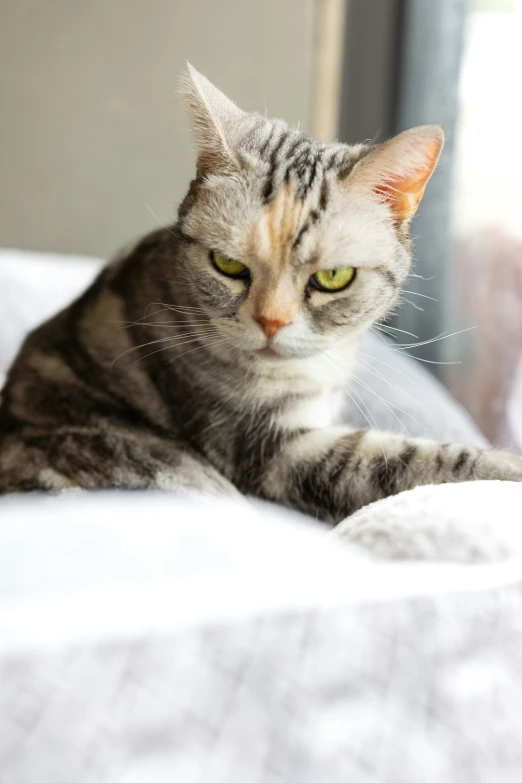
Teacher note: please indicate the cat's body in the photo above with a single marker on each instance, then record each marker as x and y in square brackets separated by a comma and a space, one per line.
[182, 368]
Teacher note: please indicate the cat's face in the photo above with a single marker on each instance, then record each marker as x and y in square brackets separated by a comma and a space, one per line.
[295, 243]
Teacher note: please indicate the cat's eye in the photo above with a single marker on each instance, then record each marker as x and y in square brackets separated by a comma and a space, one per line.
[333, 279]
[229, 266]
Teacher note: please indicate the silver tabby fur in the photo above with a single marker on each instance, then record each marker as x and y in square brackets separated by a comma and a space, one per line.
[161, 375]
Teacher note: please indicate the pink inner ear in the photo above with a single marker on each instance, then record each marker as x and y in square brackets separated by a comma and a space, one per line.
[403, 193]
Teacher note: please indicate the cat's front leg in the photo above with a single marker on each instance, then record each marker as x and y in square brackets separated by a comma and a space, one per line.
[333, 472]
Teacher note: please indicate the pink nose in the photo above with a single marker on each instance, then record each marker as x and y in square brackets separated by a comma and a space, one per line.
[270, 325]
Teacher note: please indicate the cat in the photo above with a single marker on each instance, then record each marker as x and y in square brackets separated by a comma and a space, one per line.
[197, 360]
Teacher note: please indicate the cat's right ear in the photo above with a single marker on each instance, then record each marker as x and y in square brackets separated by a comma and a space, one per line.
[214, 119]
[398, 170]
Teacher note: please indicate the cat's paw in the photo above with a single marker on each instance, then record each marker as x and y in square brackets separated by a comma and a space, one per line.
[497, 464]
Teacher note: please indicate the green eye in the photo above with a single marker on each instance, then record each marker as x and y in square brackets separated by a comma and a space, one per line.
[228, 266]
[333, 279]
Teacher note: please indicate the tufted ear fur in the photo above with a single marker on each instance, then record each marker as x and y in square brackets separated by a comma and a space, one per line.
[398, 170]
[214, 119]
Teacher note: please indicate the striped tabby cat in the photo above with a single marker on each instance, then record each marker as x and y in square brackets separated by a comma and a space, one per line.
[198, 360]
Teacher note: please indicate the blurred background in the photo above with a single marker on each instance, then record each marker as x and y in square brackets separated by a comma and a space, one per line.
[95, 150]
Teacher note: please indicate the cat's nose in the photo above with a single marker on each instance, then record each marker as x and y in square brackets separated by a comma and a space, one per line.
[270, 325]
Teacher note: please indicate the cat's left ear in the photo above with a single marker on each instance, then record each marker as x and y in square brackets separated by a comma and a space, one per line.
[398, 170]
[214, 119]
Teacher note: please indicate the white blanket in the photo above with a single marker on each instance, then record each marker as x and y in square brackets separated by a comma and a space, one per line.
[148, 640]
[476, 521]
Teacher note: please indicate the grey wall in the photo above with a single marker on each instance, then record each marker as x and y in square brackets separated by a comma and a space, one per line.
[372, 32]
[90, 127]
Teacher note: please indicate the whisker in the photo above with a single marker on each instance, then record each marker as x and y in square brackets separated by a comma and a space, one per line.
[411, 356]
[151, 342]
[159, 221]
[382, 377]
[416, 293]
[430, 361]
[386, 364]
[376, 331]
[389, 405]
[323, 360]
[379, 328]
[420, 277]
[443, 336]
[372, 426]
[156, 312]
[137, 347]
[416, 306]
[376, 428]
[183, 308]
[176, 345]
[164, 307]
[167, 324]
[403, 331]
[197, 349]
[392, 404]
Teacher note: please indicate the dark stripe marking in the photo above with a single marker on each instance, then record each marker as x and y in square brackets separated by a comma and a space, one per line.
[267, 142]
[388, 474]
[269, 184]
[312, 218]
[388, 276]
[323, 197]
[460, 462]
[347, 166]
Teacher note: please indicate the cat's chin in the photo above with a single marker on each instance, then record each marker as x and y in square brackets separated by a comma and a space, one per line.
[275, 354]
[270, 353]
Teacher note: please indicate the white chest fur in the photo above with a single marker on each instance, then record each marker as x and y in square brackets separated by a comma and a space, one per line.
[311, 412]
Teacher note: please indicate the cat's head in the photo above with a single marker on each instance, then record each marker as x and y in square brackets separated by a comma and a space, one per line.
[293, 243]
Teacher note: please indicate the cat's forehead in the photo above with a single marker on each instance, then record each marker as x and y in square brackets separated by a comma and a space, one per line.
[284, 154]
[300, 180]
[277, 235]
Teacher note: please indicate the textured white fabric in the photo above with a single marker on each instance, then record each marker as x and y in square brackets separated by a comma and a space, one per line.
[146, 640]
[472, 521]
